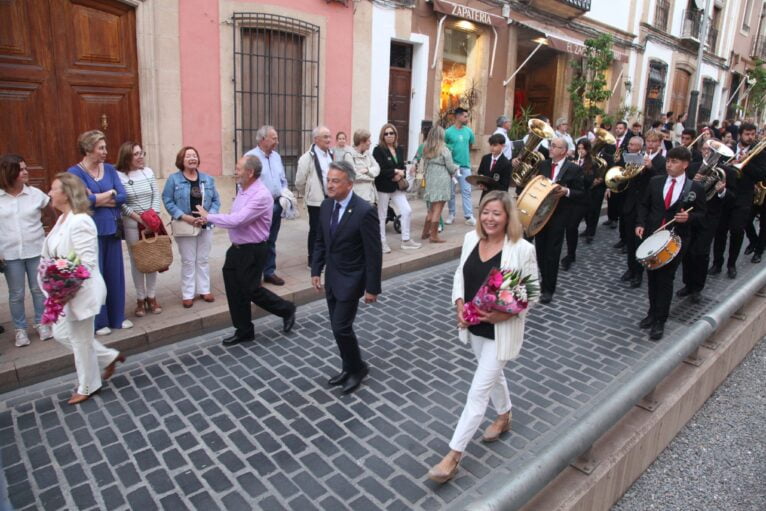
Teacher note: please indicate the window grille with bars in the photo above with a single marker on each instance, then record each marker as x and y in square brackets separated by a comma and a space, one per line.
[655, 90]
[706, 100]
[276, 82]
[661, 14]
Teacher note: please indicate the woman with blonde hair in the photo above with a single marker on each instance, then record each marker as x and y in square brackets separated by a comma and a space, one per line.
[367, 169]
[75, 233]
[496, 242]
[439, 169]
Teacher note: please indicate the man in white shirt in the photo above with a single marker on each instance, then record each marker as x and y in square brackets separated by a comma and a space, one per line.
[562, 131]
[503, 125]
[273, 176]
[311, 179]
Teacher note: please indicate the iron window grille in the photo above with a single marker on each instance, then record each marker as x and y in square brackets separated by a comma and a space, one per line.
[661, 13]
[655, 90]
[706, 100]
[276, 82]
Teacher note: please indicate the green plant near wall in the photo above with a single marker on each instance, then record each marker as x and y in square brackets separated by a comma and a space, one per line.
[589, 89]
[756, 95]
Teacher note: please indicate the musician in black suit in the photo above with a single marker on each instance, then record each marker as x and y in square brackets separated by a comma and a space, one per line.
[495, 166]
[614, 200]
[756, 239]
[687, 137]
[668, 198]
[734, 218]
[549, 240]
[654, 165]
[349, 249]
[585, 162]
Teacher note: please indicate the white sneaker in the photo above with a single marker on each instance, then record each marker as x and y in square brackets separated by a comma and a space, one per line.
[22, 339]
[127, 324]
[386, 248]
[470, 221]
[104, 331]
[44, 331]
[410, 245]
[440, 229]
[450, 219]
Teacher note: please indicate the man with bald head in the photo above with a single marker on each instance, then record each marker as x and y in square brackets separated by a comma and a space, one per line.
[311, 179]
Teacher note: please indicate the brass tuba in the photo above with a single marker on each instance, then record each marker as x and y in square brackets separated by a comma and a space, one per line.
[709, 170]
[603, 139]
[529, 157]
[760, 193]
[617, 179]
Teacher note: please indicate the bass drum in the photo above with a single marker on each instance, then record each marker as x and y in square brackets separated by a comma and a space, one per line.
[658, 249]
[536, 204]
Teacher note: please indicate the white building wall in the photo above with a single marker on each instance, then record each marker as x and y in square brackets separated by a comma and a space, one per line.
[608, 12]
[383, 30]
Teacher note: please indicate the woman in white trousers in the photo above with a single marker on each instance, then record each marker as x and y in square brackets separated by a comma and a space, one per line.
[497, 242]
[75, 233]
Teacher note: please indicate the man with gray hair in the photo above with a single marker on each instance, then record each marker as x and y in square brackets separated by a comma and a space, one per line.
[311, 179]
[503, 125]
[562, 131]
[273, 176]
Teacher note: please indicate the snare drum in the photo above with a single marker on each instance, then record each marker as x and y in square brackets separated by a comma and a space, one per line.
[658, 249]
[536, 204]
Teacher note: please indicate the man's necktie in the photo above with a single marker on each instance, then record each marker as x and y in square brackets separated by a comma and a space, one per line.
[492, 166]
[553, 170]
[669, 195]
[334, 219]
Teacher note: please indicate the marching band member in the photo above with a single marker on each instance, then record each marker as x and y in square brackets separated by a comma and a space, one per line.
[756, 240]
[733, 218]
[668, 197]
[585, 162]
[614, 200]
[549, 240]
[687, 137]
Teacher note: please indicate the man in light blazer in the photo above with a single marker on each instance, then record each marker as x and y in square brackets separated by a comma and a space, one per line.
[349, 249]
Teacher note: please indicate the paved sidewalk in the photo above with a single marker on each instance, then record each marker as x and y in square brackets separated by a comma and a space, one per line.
[198, 426]
[41, 360]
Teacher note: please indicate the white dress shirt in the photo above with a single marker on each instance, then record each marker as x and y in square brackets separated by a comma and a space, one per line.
[23, 233]
[325, 159]
[273, 171]
[680, 181]
[557, 171]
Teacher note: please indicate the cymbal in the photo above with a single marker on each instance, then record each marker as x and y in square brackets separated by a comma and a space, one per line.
[476, 180]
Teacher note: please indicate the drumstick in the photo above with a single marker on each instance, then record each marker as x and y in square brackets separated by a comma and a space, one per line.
[670, 223]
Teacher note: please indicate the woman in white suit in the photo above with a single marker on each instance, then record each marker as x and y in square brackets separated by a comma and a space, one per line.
[497, 242]
[75, 232]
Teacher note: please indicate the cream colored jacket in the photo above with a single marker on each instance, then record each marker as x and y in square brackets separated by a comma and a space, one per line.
[509, 334]
[307, 182]
[364, 184]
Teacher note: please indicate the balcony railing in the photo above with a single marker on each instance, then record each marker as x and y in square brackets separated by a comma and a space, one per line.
[712, 38]
[692, 24]
[565, 8]
[661, 14]
[759, 48]
[579, 4]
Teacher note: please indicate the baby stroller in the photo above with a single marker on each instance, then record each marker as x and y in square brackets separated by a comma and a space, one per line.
[392, 216]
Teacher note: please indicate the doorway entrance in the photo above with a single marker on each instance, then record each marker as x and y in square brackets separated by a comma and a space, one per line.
[66, 66]
[679, 96]
[400, 91]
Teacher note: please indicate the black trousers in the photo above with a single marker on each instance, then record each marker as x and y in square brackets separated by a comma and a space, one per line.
[757, 240]
[697, 258]
[632, 242]
[313, 229]
[242, 272]
[661, 289]
[342, 315]
[593, 210]
[548, 243]
[732, 223]
[572, 230]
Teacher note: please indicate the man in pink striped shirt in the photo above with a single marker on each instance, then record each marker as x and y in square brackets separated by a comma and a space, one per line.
[248, 224]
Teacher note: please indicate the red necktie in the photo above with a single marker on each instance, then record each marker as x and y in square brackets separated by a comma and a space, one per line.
[553, 170]
[492, 166]
[669, 195]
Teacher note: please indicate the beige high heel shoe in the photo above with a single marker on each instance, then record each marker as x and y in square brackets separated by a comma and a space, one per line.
[445, 470]
[497, 428]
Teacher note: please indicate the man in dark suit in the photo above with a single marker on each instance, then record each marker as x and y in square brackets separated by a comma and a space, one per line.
[349, 249]
[654, 165]
[687, 137]
[614, 200]
[549, 240]
[667, 198]
[495, 166]
[734, 218]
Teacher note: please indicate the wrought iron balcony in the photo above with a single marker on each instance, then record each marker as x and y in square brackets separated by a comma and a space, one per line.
[563, 8]
[759, 48]
[692, 26]
[661, 15]
[712, 38]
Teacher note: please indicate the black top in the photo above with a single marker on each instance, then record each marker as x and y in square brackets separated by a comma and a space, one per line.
[388, 165]
[475, 272]
[195, 195]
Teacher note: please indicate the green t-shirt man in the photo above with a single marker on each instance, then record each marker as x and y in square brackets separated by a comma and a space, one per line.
[459, 141]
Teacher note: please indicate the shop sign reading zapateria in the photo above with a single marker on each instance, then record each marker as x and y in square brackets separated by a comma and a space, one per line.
[468, 13]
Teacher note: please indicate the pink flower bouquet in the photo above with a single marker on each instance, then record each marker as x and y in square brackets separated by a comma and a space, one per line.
[61, 279]
[504, 290]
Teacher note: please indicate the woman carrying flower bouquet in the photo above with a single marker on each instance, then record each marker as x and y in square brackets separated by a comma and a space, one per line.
[75, 236]
[495, 336]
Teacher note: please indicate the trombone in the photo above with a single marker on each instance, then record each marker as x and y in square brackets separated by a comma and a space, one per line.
[760, 146]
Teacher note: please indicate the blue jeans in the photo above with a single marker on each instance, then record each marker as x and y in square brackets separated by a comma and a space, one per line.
[465, 192]
[15, 271]
[276, 222]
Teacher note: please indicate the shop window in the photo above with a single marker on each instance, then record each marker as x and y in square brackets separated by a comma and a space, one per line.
[458, 68]
[706, 100]
[655, 91]
[276, 82]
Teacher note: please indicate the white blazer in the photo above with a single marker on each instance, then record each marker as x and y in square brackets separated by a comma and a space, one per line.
[519, 255]
[76, 233]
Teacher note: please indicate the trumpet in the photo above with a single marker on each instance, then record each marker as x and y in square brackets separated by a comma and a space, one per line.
[709, 170]
[529, 156]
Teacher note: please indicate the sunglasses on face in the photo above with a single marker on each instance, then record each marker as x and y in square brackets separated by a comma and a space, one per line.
[387, 133]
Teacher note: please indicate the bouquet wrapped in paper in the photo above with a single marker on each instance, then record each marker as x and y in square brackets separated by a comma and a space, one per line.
[504, 290]
[61, 278]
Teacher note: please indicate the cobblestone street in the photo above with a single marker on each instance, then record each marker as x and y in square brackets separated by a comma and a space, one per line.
[198, 426]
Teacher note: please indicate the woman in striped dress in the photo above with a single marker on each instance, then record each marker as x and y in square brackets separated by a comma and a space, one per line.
[142, 195]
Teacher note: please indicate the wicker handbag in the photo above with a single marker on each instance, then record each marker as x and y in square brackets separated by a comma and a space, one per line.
[152, 254]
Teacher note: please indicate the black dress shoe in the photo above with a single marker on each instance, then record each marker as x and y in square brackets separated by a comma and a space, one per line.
[684, 291]
[714, 270]
[750, 249]
[354, 380]
[619, 244]
[635, 282]
[628, 275]
[338, 379]
[566, 263]
[609, 222]
[546, 297]
[647, 322]
[696, 297]
[289, 321]
[624, 249]
[756, 258]
[657, 331]
[731, 272]
[236, 339]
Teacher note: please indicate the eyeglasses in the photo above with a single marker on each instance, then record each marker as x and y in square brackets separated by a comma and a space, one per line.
[139, 154]
[387, 133]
